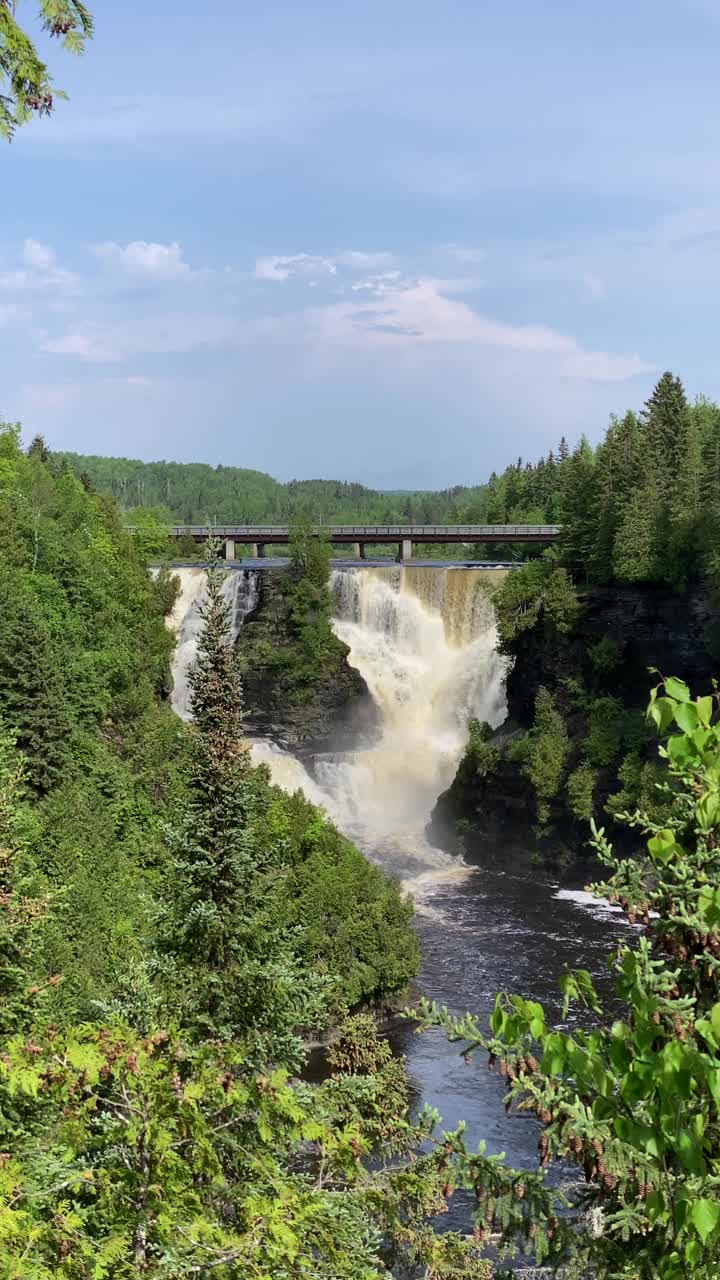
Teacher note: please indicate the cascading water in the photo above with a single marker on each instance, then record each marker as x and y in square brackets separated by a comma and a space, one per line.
[424, 640]
[240, 589]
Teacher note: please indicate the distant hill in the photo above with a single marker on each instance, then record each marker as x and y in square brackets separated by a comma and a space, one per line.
[195, 493]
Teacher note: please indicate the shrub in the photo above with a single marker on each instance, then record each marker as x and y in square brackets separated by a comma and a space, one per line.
[480, 753]
[543, 753]
[604, 654]
[560, 601]
[580, 788]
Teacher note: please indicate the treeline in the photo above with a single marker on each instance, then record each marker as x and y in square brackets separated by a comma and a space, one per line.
[194, 493]
[643, 506]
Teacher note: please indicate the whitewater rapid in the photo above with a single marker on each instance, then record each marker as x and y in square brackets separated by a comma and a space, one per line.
[424, 640]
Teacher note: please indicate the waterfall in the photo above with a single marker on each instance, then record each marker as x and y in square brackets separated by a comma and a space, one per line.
[240, 589]
[424, 640]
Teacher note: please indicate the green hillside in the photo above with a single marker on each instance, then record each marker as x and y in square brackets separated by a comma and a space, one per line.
[195, 493]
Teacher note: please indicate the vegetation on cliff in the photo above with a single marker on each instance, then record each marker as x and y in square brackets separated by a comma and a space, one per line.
[294, 667]
[640, 523]
[632, 1096]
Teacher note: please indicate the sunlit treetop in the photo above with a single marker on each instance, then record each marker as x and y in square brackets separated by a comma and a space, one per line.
[26, 86]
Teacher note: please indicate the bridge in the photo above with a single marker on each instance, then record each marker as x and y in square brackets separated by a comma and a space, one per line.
[359, 537]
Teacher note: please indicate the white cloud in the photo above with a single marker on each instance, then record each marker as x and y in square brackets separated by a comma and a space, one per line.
[145, 258]
[280, 268]
[164, 334]
[422, 314]
[364, 261]
[85, 346]
[39, 269]
[37, 256]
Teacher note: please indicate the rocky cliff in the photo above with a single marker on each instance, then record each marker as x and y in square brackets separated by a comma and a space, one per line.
[296, 697]
[598, 677]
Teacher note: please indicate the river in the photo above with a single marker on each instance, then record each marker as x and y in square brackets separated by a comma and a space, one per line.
[424, 640]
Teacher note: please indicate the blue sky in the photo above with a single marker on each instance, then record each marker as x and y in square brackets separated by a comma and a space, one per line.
[401, 243]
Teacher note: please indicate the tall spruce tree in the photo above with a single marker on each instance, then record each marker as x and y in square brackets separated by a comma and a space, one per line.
[580, 505]
[33, 699]
[665, 420]
[620, 471]
[634, 554]
[229, 971]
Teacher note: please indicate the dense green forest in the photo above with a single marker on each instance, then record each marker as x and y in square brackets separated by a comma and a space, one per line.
[194, 493]
[643, 506]
[641, 524]
[174, 930]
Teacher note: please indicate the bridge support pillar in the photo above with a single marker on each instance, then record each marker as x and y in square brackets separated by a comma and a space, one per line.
[357, 551]
[229, 548]
[259, 550]
[405, 550]
[254, 550]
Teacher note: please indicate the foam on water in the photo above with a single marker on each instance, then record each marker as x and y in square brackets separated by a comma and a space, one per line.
[424, 640]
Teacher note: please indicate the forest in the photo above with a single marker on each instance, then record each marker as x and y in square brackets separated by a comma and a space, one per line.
[176, 932]
[194, 493]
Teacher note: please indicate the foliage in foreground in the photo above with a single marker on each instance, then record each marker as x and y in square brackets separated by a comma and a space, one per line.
[633, 1099]
[26, 87]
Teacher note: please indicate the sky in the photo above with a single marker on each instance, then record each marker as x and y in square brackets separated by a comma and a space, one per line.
[397, 243]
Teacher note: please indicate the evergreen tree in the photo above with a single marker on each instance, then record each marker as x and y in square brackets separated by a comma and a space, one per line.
[665, 420]
[229, 971]
[33, 700]
[634, 554]
[580, 506]
[15, 912]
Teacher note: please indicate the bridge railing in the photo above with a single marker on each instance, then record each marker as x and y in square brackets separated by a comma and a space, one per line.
[467, 532]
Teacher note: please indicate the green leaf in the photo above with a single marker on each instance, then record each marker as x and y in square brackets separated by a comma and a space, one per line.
[706, 810]
[680, 749]
[690, 1153]
[686, 716]
[705, 709]
[662, 846]
[677, 689]
[705, 1216]
[662, 713]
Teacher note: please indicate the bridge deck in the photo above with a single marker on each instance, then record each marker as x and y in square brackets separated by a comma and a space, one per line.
[347, 533]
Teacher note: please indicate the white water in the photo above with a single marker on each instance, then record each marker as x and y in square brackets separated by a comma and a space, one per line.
[240, 589]
[424, 640]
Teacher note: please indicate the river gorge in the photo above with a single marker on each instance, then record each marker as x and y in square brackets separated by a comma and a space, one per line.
[424, 641]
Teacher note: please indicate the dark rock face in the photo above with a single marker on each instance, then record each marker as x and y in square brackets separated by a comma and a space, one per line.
[325, 711]
[652, 626]
[492, 817]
